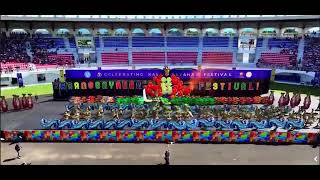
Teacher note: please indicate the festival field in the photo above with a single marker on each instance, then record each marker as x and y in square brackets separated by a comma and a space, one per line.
[37, 89]
[49, 109]
[153, 154]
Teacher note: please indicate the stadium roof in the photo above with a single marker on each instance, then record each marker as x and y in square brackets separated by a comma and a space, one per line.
[162, 18]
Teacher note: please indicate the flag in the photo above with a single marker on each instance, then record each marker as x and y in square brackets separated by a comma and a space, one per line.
[20, 80]
[61, 78]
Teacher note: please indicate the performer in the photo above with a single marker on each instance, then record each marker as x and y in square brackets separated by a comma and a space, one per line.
[271, 97]
[20, 102]
[317, 141]
[281, 101]
[4, 104]
[287, 98]
[307, 102]
[24, 101]
[15, 103]
[18, 148]
[29, 101]
[36, 98]
[167, 157]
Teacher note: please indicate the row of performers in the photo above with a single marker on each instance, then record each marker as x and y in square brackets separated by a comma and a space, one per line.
[17, 103]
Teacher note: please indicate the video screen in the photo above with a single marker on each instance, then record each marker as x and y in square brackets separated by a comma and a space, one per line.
[84, 43]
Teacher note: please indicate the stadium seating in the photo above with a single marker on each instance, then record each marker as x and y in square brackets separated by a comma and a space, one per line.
[72, 42]
[118, 58]
[45, 66]
[278, 52]
[215, 41]
[147, 41]
[49, 43]
[148, 58]
[235, 41]
[61, 59]
[259, 42]
[182, 57]
[182, 41]
[13, 66]
[275, 58]
[311, 55]
[115, 41]
[217, 57]
[282, 43]
[13, 48]
[97, 42]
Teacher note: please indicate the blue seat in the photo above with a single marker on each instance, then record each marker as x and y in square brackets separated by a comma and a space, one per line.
[115, 41]
[287, 43]
[97, 41]
[148, 42]
[215, 41]
[182, 41]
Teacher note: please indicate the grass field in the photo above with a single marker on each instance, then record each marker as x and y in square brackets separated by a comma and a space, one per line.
[39, 89]
[295, 88]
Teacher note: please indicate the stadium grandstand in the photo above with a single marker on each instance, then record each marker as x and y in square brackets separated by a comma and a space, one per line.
[286, 43]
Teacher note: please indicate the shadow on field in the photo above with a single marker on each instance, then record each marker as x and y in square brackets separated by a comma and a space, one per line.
[10, 159]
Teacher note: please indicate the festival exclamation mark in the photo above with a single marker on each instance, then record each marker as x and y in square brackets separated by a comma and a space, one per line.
[257, 85]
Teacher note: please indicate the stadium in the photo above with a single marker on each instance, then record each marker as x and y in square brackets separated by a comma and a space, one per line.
[158, 82]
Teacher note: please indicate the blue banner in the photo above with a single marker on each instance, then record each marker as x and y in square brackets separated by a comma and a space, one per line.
[182, 74]
[20, 80]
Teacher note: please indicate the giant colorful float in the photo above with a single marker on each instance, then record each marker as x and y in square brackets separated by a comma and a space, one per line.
[206, 106]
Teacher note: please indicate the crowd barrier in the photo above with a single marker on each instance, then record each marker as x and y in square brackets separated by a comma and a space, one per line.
[132, 136]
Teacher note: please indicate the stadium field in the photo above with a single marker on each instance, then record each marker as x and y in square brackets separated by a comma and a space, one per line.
[39, 89]
[295, 88]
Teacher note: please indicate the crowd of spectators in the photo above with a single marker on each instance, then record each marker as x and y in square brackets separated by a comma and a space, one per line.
[287, 49]
[311, 54]
[13, 48]
[41, 54]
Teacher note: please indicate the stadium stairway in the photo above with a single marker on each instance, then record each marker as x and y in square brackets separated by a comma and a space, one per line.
[300, 49]
[28, 49]
[265, 42]
[234, 54]
[130, 51]
[165, 50]
[101, 42]
[231, 42]
[66, 43]
[199, 58]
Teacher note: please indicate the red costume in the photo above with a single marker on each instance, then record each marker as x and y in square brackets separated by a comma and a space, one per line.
[281, 101]
[4, 104]
[293, 100]
[20, 103]
[287, 98]
[307, 102]
[24, 101]
[15, 104]
[29, 101]
[271, 98]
